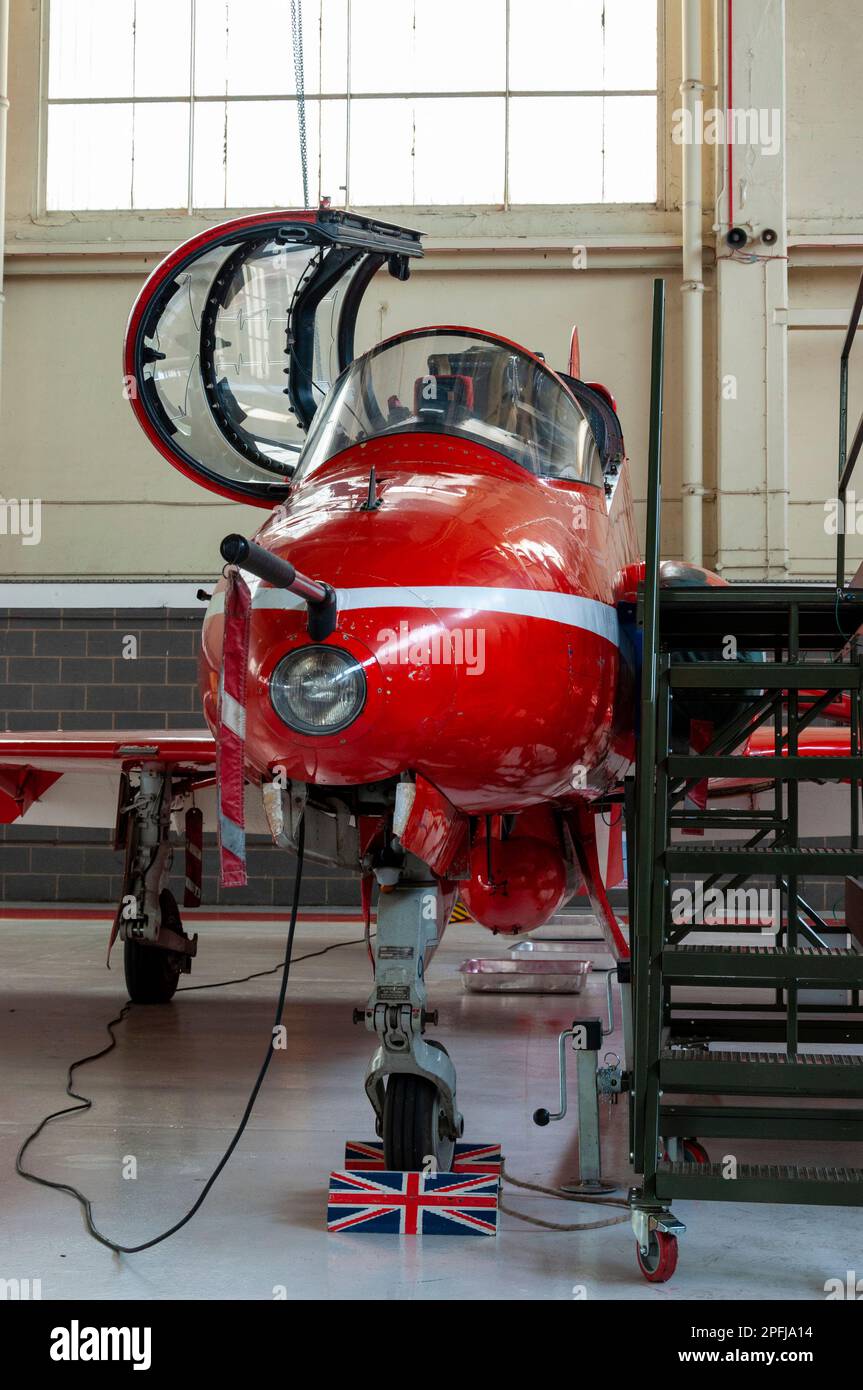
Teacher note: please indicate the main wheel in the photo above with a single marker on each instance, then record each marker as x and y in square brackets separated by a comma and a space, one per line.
[660, 1262]
[412, 1125]
[151, 972]
[693, 1152]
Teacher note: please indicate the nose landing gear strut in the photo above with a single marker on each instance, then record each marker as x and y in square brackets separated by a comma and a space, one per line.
[410, 1080]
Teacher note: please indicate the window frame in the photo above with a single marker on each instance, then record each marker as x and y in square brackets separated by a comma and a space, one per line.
[398, 211]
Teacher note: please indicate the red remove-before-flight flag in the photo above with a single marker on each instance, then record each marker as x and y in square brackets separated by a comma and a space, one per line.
[231, 739]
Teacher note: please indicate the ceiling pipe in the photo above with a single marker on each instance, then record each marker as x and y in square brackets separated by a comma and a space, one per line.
[692, 89]
[4, 111]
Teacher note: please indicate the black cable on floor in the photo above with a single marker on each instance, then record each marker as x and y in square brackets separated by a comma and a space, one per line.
[259, 974]
[86, 1103]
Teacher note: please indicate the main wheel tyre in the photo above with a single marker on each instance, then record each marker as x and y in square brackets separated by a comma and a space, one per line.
[412, 1125]
[660, 1262]
[693, 1152]
[151, 972]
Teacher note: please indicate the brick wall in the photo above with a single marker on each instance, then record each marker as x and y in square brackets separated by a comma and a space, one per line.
[67, 670]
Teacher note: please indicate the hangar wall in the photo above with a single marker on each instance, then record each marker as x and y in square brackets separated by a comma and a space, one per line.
[112, 508]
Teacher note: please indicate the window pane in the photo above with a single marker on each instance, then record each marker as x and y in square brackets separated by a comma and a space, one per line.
[428, 151]
[262, 155]
[555, 150]
[381, 145]
[162, 38]
[428, 45]
[459, 47]
[630, 150]
[89, 157]
[211, 47]
[630, 44]
[556, 45]
[245, 47]
[325, 45]
[459, 150]
[208, 173]
[328, 144]
[90, 48]
[161, 155]
[253, 159]
[381, 46]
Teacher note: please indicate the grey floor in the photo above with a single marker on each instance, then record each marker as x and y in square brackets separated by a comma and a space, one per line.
[171, 1093]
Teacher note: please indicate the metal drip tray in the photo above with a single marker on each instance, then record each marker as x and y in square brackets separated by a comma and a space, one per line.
[525, 975]
[550, 950]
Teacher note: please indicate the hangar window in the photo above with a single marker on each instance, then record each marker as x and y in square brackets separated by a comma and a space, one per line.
[208, 104]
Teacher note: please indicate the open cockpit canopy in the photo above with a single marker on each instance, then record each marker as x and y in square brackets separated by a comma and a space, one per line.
[237, 336]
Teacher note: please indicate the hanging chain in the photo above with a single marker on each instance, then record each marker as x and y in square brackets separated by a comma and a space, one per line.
[297, 39]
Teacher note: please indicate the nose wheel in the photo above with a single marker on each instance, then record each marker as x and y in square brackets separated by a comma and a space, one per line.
[410, 1079]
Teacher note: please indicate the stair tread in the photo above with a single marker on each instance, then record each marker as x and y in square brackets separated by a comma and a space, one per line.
[769, 952]
[800, 1060]
[758, 851]
[768, 1172]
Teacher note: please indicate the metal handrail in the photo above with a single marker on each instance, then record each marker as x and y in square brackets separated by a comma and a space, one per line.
[644, 827]
[847, 457]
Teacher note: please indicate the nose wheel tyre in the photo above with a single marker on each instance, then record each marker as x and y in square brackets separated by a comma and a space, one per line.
[660, 1262]
[152, 973]
[412, 1126]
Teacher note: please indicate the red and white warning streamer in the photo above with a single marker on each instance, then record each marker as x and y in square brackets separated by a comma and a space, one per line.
[231, 739]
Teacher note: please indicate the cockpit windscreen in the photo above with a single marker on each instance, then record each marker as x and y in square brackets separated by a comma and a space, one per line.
[458, 383]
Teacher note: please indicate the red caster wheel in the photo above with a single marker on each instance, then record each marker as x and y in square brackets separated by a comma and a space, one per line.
[693, 1152]
[660, 1262]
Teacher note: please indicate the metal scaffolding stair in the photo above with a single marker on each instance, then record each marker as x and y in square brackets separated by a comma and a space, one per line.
[700, 1049]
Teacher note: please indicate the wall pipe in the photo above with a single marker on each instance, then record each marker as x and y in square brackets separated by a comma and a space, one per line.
[691, 89]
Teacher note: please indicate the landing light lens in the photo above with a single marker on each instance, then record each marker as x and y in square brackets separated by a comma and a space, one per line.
[318, 690]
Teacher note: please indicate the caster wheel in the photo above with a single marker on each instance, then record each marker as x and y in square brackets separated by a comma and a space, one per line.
[693, 1152]
[660, 1262]
[412, 1118]
[151, 973]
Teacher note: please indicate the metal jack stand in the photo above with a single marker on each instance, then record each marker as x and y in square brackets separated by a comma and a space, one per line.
[594, 1081]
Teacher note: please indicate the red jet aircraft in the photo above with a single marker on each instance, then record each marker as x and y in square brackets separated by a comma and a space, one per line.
[422, 668]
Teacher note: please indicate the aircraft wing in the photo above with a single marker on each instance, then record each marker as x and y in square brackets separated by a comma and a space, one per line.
[72, 779]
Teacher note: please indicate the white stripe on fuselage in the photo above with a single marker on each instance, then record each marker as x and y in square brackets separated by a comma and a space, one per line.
[572, 610]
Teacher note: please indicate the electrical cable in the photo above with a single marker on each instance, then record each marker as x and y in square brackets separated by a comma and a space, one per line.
[86, 1104]
[259, 974]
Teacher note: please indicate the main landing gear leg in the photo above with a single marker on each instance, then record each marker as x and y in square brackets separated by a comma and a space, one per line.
[410, 1081]
[156, 950]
